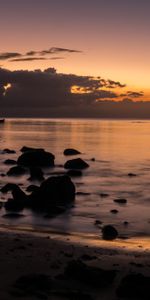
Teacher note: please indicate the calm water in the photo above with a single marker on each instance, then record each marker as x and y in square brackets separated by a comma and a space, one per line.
[119, 147]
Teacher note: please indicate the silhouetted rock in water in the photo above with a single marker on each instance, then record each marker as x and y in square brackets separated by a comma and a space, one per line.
[9, 151]
[134, 286]
[71, 151]
[109, 232]
[54, 192]
[26, 149]
[114, 211]
[132, 175]
[120, 201]
[104, 195]
[74, 173]
[90, 275]
[16, 171]
[36, 173]
[34, 284]
[98, 222]
[92, 159]
[77, 163]
[18, 201]
[126, 223]
[83, 194]
[10, 162]
[8, 187]
[32, 188]
[13, 215]
[36, 158]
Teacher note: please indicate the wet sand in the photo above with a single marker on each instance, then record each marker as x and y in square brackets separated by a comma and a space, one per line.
[45, 257]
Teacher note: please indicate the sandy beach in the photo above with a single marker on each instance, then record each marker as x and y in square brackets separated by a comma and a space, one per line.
[46, 267]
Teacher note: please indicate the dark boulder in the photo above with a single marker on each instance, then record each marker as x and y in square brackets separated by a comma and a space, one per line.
[26, 149]
[36, 158]
[90, 275]
[134, 286]
[74, 173]
[18, 202]
[54, 192]
[16, 171]
[71, 151]
[10, 162]
[77, 163]
[109, 232]
[36, 173]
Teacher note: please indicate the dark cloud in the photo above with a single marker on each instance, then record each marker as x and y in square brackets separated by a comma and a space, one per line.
[28, 59]
[133, 94]
[8, 55]
[50, 94]
[55, 50]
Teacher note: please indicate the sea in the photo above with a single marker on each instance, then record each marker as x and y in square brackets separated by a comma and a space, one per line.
[112, 148]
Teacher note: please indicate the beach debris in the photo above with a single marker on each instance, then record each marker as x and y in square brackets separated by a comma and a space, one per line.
[16, 171]
[134, 286]
[36, 158]
[93, 276]
[120, 201]
[36, 173]
[109, 232]
[77, 163]
[71, 151]
[10, 162]
[74, 173]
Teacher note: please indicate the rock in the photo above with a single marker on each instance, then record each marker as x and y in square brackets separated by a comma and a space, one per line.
[83, 194]
[57, 191]
[10, 162]
[36, 158]
[104, 195]
[74, 173]
[132, 175]
[114, 211]
[109, 232]
[8, 151]
[36, 173]
[125, 223]
[8, 187]
[71, 151]
[89, 275]
[98, 222]
[93, 159]
[77, 163]
[120, 201]
[32, 188]
[26, 149]
[18, 202]
[16, 171]
[134, 286]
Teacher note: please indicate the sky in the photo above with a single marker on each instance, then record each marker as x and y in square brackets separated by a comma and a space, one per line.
[106, 38]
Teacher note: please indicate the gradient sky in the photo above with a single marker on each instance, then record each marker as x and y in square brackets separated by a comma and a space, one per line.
[113, 35]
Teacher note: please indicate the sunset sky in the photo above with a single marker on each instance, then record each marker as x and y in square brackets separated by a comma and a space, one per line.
[106, 38]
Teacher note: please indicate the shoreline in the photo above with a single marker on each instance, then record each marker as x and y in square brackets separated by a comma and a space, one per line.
[25, 253]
